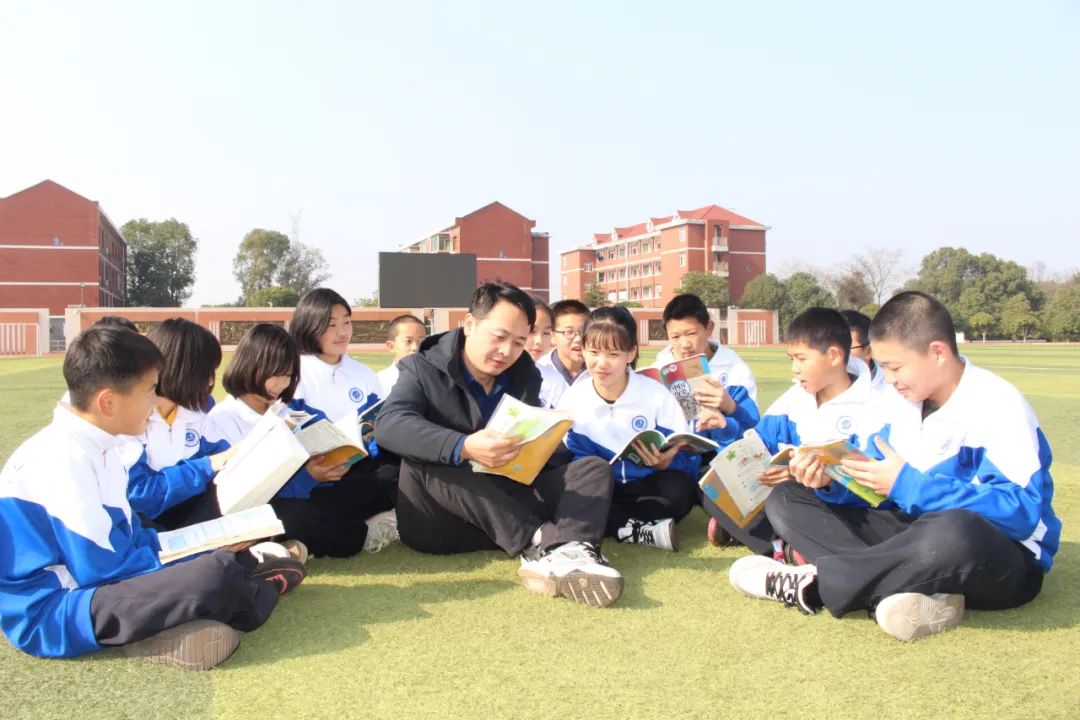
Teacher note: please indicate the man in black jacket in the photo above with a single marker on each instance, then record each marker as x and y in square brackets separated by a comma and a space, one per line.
[435, 420]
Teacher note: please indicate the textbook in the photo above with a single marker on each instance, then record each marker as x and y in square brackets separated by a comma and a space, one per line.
[663, 443]
[264, 461]
[830, 455]
[541, 432]
[252, 524]
[342, 442]
[682, 378]
[733, 478]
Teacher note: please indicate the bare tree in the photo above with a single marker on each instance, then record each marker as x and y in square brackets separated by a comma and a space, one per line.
[881, 269]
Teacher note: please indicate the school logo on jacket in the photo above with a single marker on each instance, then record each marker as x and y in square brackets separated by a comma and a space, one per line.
[191, 438]
[723, 379]
[639, 423]
[356, 395]
[845, 424]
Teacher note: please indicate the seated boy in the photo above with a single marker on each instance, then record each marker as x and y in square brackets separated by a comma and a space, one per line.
[77, 570]
[967, 467]
[860, 345]
[566, 362]
[404, 335]
[436, 421]
[830, 400]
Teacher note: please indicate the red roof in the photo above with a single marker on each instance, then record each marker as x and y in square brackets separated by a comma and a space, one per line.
[631, 230]
[661, 220]
[601, 237]
[715, 212]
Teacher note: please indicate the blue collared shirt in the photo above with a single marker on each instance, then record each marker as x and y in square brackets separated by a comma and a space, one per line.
[487, 401]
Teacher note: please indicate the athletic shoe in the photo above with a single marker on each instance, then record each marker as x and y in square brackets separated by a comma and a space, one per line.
[196, 645]
[909, 616]
[297, 551]
[784, 553]
[658, 533]
[718, 536]
[284, 574]
[762, 577]
[574, 570]
[268, 549]
[382, 530]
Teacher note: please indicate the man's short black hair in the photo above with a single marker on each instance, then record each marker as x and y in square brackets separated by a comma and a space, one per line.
[396, 323]
[265, 351]
[914, 319]
[106, 357]
[312, 317]
[859, 324]
[568, 307]
[490, 294]
[821, 328]
[116, 321]
[686, 306]
[192, 356]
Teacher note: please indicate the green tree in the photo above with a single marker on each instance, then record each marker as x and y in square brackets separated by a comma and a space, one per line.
[259, 260]
[160, 262]
[983, 323]
[764, 292]
[712, 289]
[802, 292]
[870, 310]
[367, 302]
[1017, 318]
[1062, 314]
[629, 304]
[275, 297]
[304, 269]
[594, 297]
[852, 292]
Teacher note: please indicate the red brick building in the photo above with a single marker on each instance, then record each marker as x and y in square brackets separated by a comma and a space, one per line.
[57, 249]
[506, 245]
[645, 262]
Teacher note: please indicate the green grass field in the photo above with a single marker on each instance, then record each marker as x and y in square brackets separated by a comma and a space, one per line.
[402, 635]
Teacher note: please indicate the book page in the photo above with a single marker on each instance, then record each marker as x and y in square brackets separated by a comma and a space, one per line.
[321, 437]
[653, 438]
[264, 461]
[738, 467]
[253, 523]
[514, 418]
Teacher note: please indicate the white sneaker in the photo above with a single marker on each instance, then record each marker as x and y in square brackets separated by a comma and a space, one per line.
[663, 534]
[574, 570]
[382, 530]
[269, 549]
[762, 577]
[909, 616]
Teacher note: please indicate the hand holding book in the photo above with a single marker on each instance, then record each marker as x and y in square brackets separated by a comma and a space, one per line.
[489, 448]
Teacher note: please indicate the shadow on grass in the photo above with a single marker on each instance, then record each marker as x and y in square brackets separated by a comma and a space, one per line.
[400, 560]
[1055, 607]
[320, 619]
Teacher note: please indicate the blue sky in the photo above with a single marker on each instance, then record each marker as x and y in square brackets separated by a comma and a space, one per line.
[840, 125]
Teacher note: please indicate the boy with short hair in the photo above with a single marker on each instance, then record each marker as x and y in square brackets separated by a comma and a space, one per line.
[830, 400]
[78, 572]
[860, 344]
[967, 470]
[404, 335]
[565, 364]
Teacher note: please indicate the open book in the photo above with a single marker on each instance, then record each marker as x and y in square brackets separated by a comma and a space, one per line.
[541, 431]
[732, 480]
[264, 461]
[656, 439]
[342, 442]
[831, 454]
[252, 524]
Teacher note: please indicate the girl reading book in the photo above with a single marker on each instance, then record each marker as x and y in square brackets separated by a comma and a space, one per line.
[331, 510]
[609, 412]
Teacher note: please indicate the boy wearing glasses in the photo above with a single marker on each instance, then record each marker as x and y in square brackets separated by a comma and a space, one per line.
[860, 345]
[565, 364]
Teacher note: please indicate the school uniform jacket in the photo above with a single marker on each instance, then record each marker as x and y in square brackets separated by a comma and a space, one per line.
[231, 420]
[169, 464]
[431, 408]
[67, 528]
[602, 429]
[983, 450]
[387, 379]
[553, 382]
[728, 369]
[337, 390]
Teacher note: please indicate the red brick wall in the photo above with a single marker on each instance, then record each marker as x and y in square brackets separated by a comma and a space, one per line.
[742, 267]
[503, 243]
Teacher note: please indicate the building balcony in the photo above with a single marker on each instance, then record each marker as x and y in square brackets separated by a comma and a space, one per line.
[721, 270]
[719, 245]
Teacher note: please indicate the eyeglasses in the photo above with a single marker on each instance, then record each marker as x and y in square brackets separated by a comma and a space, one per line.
[859, 347]
[571, 333]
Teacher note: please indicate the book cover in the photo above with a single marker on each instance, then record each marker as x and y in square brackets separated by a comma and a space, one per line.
[657, 440]
[682, 378]
[264, 461]
[831, 455]
[733, 479]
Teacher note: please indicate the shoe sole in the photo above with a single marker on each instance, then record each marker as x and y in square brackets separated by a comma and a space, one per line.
[910, 616]
[198, 645]
[581, 587]
[674, 537]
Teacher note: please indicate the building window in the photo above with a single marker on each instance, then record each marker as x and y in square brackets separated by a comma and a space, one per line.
[588, 267]
[633, 294]
[682, 259]
[659, 291]
[610, 253]
[563, 279]
[622, 251]
[682, 234]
